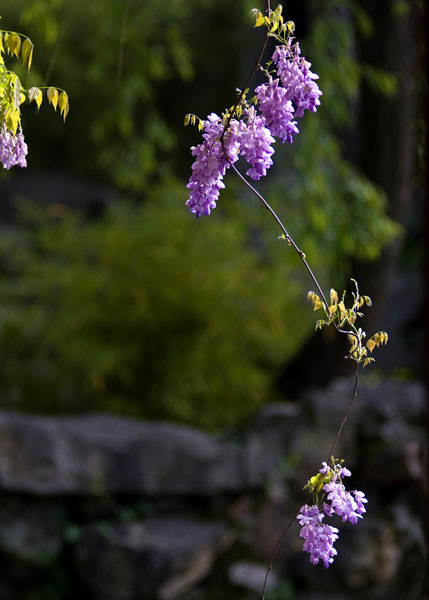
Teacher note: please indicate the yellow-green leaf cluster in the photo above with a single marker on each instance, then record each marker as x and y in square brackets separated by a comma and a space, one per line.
[315, 484]
[315, 299]
[191, 119]
[12, 92]
[274, 23]
[377, 340]
[15, 43]
[344, 320]
[10, 99]
[54, 97]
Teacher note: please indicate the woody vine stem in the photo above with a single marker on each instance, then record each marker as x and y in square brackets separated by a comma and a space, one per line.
[249, 129]
[302, 256]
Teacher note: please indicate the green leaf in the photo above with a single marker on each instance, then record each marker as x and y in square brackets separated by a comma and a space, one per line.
[13, 43]
[39, 98]
[33, 94]
[333, 296]
[52, 95]
[27, 52]
[259, 19]
[370, 345]
[63, 103]
[318, 304]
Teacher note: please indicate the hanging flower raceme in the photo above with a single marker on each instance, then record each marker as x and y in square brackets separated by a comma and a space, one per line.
[251, 133]
[250, 138]
[211, 164]
[297, 79]
[277, 110]
[255, 145]
[318, 537]
[336, 500]
[13, 148]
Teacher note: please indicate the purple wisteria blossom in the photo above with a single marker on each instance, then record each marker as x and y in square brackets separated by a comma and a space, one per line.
[13, 148]
[211, 164]
[343, 503]
[318, 537]
[253, 136]
[255, 145]
[360, 501]
[296, 77]
[342, 471]
[277, 110]
[348, 505]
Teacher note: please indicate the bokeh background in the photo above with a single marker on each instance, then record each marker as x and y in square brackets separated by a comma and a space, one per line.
[116, 301]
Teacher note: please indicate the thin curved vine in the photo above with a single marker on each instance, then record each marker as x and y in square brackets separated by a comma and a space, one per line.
[243, 131]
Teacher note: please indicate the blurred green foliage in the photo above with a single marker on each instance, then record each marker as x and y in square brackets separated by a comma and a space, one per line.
[148, 311]
[144, 313]
[123, 64]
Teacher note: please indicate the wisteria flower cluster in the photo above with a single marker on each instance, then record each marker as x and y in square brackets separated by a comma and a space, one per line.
[297, 79]
[13, 148]
[319, 537]
[287, 94]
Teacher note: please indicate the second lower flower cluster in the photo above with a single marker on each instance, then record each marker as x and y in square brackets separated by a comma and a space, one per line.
[331, 498]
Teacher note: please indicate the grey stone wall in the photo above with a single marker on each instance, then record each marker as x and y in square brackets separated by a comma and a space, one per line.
[107, 508]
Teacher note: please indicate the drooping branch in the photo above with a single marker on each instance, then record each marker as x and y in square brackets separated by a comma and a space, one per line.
[278, 102]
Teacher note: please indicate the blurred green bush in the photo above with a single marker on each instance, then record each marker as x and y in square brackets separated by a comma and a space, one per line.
[146, 312]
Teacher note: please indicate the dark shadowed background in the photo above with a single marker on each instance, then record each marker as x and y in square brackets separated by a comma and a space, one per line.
[114, 300]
